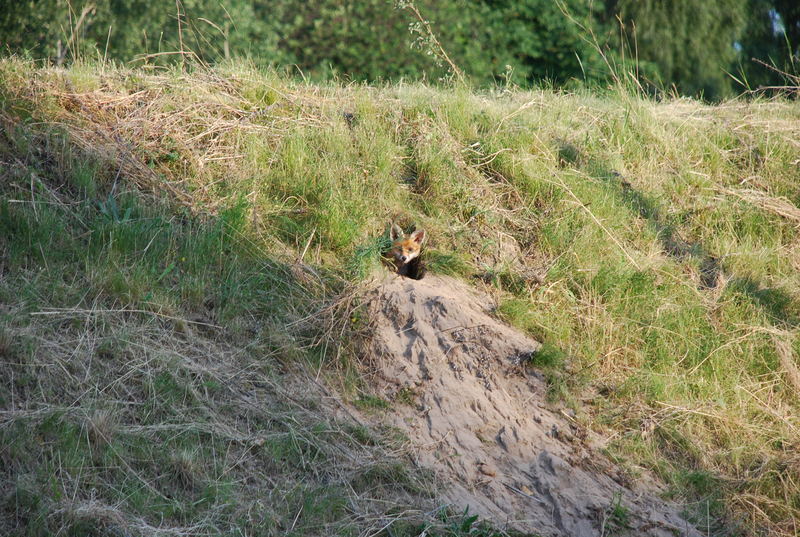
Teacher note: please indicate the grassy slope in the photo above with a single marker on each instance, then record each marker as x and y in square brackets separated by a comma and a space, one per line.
[659, 260]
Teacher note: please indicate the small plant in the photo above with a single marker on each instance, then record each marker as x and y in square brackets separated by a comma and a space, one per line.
[101, 427]
[548, 355]
[185, 468]
[616, 518]
[426, 39]
[111, 210]
[406, 396]
[465, 525]
[371, 402]
[367, 256]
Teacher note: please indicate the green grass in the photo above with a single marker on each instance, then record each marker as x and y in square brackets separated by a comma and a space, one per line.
[651, 246]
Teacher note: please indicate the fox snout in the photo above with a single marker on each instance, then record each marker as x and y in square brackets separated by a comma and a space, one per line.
[405, 258]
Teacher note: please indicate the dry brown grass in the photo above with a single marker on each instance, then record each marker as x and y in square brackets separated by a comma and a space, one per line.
[246, 416]
[776, 205]
[783, 348]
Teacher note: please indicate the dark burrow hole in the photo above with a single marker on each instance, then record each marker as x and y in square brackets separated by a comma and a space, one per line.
[414, 269]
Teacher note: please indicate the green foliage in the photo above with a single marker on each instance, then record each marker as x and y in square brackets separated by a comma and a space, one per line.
[126, 29]
[548, 356]
[692, 43]
[453, 524]
[538, 42]
[357, 39]
[616, 518]
[772, 35]
[710, 48]
[691, 46]
[371, 402]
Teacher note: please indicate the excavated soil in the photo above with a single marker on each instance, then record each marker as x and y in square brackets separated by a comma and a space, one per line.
[478, 418]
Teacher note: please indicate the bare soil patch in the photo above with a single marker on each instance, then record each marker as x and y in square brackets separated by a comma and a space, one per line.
[478, 417]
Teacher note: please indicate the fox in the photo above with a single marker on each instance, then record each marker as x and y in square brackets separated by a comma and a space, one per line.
[406, 252]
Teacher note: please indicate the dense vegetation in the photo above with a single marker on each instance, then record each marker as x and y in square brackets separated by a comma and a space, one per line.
[176, 246]
[696, 46]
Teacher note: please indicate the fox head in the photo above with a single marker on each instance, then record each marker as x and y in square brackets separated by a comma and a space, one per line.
[406, 247]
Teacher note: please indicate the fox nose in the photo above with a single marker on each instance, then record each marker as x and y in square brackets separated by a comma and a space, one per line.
[403, 258]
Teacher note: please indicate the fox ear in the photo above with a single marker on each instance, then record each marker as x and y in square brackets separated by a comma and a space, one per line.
[396, 232]
[418, 236]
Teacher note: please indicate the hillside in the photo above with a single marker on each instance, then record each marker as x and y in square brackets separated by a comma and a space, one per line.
[185, 276]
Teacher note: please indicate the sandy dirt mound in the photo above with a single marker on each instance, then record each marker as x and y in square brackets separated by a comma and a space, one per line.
[479, 419]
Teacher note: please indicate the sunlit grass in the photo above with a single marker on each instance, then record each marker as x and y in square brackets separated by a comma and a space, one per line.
[653, 247]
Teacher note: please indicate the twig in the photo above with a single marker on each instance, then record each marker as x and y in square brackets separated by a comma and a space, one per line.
[790, 76]
[308, 243]
[180, 31]
[409, 5]
[515, 489]
[62, 311]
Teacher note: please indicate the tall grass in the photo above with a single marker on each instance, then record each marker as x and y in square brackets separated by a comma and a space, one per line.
[652, 246]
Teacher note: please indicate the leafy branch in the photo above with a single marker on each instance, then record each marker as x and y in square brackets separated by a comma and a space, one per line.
[426, 39]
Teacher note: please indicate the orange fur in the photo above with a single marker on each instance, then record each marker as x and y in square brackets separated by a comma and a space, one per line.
[405, 248]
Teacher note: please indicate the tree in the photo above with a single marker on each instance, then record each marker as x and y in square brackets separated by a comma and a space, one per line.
[772, 36]
[539, 41]
[692, 42]
[361, 39]
[124, 29]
